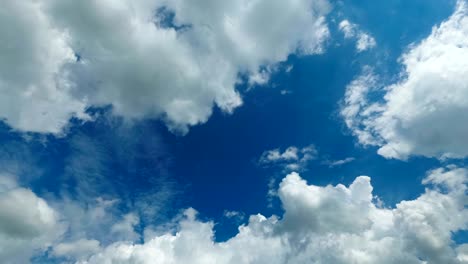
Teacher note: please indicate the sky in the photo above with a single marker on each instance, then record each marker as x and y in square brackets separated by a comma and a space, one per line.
[248, 131]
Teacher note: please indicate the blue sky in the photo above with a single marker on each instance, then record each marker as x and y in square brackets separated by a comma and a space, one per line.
[234, 134]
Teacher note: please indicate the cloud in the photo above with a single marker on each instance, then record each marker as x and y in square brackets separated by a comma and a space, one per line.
[173, 60]
[421, 114]
[463, 253]
[88, 205]
[36, 94]
[27, 222]
[88, 167]
[233, 214]
[336, 163]
[320, 224]
[78, 249]
[357, 109]
[296, 159]
[292, 159]
[126, 227]
[364, 41]
[331, 224]
[100, 220]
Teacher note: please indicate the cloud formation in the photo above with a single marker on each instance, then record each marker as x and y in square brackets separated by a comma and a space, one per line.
[27, 222]
[81, 248]
[422, 114]
[364, 41]
[330, 224]
[173, 60]
[337, 163]
[291, 159]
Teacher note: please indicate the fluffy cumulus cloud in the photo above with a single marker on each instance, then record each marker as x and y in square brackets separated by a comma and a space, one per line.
[364, 41]
[57, 230]
[291, 159]
[422, 114]
[27, 222]
[35, 91]
[153, 58]
[331, 224]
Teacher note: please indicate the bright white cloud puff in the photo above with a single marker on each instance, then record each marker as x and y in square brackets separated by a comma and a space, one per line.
[163, 59]
[423, 113]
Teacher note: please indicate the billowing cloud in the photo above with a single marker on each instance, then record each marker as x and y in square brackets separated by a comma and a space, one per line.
[423, 113]
[364, 41]
[35, 91]
[331, 224]
[291, 159]
[162, 59]
[27, 222]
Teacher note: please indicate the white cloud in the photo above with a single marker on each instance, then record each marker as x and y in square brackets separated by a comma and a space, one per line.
[126, 227]
[422, 114]
[35, 91]
[233, 214]
[27, 223]
[462, 253]
[331, 224]
[96, 220]
[291, 159]
[79, 249]
[90, 226]
[129, 59]
[357, 110]
[336, 163]
[348, 29]
[364, 41]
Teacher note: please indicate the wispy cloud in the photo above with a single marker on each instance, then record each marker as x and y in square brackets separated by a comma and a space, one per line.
[364, 41]
[291, 159]
[336, 163]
